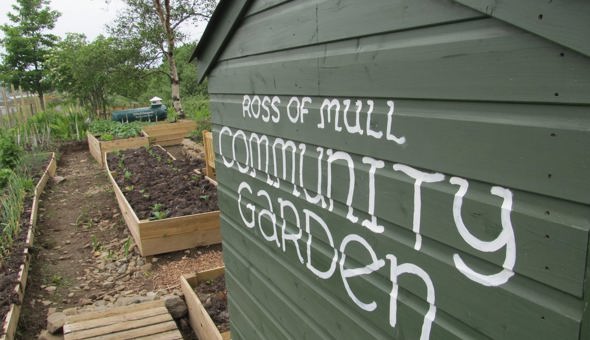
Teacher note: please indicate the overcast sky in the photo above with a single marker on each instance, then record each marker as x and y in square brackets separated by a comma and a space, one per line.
[86, 16]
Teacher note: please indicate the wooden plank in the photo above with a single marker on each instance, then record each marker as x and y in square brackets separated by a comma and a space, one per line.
[70, 319]
[300, 23]
[200, 321]
[115, 329]
[94, 147]
[487, 60]
[11, 322]
[170, 335]
[120, 318]
[166, 133]
[209, 154]
[561, 21]
[40, 187]
[179, 225]
[263, 5]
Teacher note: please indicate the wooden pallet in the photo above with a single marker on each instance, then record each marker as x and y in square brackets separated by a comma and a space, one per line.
[149, 320]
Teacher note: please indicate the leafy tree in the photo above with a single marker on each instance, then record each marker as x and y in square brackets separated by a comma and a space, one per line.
[154, 27]
[91, 72]
[27, 43]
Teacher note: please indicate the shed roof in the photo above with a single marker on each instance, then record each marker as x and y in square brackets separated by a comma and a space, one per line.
[563, 22]
[220, 28]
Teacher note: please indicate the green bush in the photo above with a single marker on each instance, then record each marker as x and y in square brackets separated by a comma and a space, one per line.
[4, 177]
[10, 152]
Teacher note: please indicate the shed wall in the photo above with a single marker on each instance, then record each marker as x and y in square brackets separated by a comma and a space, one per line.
[463, 204]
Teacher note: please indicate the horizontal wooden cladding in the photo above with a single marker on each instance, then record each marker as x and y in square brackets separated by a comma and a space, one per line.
[293, 296]
[551, 249]
[479, 60]
[301, 23]
[537, 148]
[263, 5]
[564, 22]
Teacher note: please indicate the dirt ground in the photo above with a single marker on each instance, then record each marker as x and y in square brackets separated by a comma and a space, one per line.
[84, 254]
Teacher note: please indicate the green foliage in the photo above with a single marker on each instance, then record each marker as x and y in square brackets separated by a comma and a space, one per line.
[43, 130]
[26, 44]
[127, 246]
[5, 175]
[11, 209]
[95, 243]
[158, 213]
[10, 152]
[109, 130]
[90, 72]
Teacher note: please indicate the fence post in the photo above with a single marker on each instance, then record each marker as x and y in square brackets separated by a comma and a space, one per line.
[5, 100]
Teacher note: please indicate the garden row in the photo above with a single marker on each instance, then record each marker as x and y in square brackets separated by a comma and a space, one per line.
[15, 260]
[169, 205]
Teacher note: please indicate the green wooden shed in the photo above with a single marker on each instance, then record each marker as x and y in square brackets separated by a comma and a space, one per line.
[403, 169]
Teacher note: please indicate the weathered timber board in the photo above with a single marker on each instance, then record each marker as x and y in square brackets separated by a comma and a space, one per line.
[166, 133]
[299, 23]
[143, 321]
[200, 321]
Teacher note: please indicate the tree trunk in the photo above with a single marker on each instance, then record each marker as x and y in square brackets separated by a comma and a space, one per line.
[41, 100]
[175, 82]
[164, 16]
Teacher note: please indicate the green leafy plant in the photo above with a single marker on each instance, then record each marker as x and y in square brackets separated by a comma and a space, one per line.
[127, 174]
[109, 130]
[57, 279]
[95, 243]
[10, 152]
[204, 197]
[5, 176]
[127, 246]
[157, 213]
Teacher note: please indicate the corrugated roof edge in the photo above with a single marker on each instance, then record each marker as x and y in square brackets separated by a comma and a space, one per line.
[217, 33]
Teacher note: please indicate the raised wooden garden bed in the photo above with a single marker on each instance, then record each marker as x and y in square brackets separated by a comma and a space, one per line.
[166, 133]
[199, 319]
[99, 148]
[11, 321]
[168, 234]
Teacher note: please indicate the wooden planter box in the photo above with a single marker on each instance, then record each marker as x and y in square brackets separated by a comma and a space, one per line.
[169, 234]
[166, 133]
[199, 319]
[11, 321]
[98, 148]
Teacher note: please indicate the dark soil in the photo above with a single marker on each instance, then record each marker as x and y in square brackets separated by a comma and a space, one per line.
[10, 268]
[213, 296]
[158, 187]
